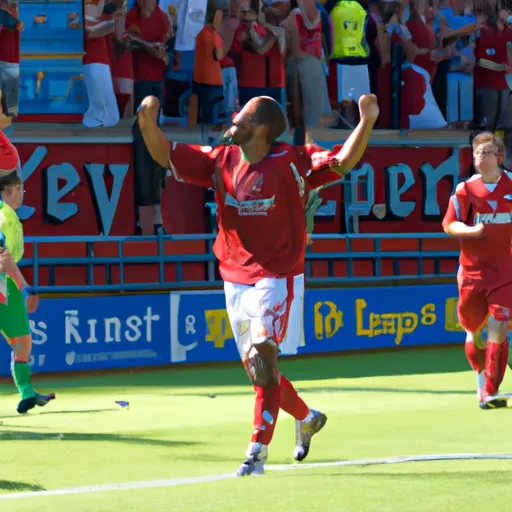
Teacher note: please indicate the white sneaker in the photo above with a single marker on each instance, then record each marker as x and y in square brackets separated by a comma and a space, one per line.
[254, 464]
[305, 430]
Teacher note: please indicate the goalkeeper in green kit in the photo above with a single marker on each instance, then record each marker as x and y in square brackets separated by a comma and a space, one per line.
[14, 324]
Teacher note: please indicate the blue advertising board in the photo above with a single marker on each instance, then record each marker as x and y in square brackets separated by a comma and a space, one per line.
[77, 334]
[90, 333]
[334, 320]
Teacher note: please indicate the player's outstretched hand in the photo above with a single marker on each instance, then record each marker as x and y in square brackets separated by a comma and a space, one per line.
[148, 110]
[369, 107]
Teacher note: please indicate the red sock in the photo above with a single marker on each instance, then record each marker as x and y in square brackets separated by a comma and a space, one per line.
[266, 410]
[503, 363]
[475, 355]
[291, 402]
[492, 367]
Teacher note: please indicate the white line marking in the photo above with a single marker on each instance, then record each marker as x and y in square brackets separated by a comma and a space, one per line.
[173, 482]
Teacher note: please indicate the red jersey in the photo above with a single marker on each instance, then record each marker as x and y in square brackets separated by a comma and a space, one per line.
[492, 45]
[96, 48]
[254, 69]
[474, 201]
[260, 207]
[310, 40]
[10, 42]
[423, 37]
[154, 29]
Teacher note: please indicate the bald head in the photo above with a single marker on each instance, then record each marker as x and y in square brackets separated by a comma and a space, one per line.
[262, 117]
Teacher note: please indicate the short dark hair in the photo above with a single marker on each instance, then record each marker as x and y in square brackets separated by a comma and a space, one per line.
[10, 180]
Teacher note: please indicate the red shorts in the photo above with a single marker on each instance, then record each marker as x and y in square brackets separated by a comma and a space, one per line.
[478, 301]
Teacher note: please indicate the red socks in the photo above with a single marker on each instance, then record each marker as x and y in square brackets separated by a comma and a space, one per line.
[475, 355]
[266, 410]
[493, 367]
[291, 402]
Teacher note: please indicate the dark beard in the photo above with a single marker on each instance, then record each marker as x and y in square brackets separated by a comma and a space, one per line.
[226, 139]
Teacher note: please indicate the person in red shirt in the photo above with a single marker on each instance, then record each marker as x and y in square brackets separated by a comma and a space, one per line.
[306, 83]
[102, 110]
[10, 55]
[121, 58]
[257, 51]
[480, 215]
[260, 191]
[493, 103]
[148, 29]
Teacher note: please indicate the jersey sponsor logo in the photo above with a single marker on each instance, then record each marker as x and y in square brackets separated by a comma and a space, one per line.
[254, 207]
[493, 218]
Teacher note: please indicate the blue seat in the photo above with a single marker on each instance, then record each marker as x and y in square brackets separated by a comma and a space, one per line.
[51, 50]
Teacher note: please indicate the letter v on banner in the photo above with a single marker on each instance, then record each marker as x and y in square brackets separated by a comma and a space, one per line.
[27, 169]
[106, 206]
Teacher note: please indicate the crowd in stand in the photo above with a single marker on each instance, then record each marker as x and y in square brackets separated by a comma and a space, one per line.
[203, 59]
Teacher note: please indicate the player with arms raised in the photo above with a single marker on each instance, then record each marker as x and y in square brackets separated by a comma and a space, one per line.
[479, 214]
[260, 189]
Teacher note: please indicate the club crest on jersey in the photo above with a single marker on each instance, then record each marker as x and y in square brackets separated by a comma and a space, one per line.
[253, 207]
[493, 218]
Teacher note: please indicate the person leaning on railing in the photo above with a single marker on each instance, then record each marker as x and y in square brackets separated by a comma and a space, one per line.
[15, 302]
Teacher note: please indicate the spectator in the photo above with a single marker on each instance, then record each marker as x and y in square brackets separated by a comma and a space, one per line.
[122, 59]
[190, 16]
[258, 56]
[227, 32]
[493, 101]
[103, 110]
[385, 28]
[306, 85]
[423, 37]
[10, 28]
[148, 30]
[207, 85]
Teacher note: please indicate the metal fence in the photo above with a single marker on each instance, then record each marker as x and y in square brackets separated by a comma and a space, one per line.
[92, 264]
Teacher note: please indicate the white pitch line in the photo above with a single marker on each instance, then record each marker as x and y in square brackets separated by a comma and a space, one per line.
[173, 482]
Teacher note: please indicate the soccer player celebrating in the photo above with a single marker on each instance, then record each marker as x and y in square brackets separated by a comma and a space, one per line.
[14, 324]
[479, 214]
[260, 190]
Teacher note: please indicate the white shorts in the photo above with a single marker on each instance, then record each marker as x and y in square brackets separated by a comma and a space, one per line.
[295, 333]
[260, 312]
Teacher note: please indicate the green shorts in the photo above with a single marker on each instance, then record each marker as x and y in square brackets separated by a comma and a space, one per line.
[13, 315]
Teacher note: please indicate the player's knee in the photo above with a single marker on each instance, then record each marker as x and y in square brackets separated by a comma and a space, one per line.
[262, 365]
[497, 327]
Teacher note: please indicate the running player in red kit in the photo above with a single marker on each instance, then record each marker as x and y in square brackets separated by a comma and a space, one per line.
[480, 215]
[260, 189]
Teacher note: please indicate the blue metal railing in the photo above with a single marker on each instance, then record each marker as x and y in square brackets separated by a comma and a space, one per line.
[121, 262]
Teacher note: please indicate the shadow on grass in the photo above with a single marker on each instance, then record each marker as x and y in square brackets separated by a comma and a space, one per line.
[396, 362]
[46, 412]
[6, 435]
[9, 485]
[334, 389]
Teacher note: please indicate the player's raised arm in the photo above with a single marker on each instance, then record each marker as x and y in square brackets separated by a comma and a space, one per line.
[187, 163]
[454, 222]
[347, 158]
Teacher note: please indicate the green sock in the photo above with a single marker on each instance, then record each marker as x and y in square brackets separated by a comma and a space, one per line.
[22, 373]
